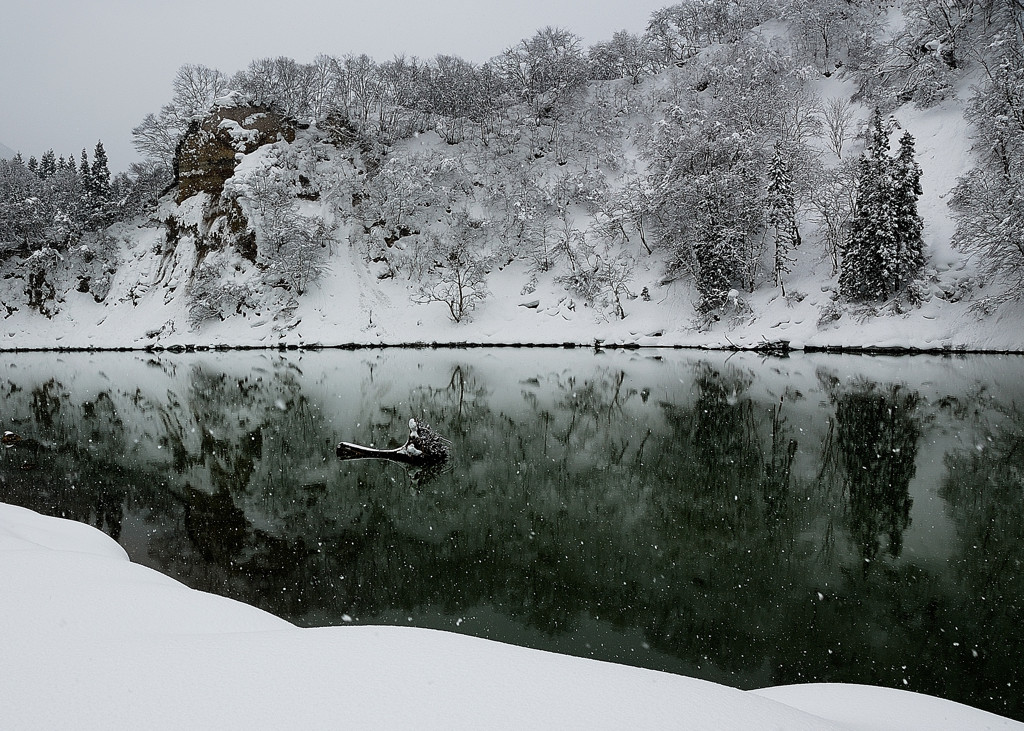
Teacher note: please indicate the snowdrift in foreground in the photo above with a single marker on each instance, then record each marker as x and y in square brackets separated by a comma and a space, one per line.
[91, 640]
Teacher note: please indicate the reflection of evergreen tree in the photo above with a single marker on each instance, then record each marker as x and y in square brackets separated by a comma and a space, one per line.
[214, 525]
[877, 434]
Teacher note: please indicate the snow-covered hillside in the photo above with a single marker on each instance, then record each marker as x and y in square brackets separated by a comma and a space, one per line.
[547, 218]
[358, 301]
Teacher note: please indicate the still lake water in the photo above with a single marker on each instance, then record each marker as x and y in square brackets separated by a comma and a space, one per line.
[745, 520]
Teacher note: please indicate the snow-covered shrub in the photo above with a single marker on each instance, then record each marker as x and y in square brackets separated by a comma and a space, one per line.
[600, 279]
[45, 269]
[831, 312]
[93, 263]
[586, 188]
[918, 292]
[795, 297]
[584, 283]
[219, 289]
[293, 250]
[961, 288]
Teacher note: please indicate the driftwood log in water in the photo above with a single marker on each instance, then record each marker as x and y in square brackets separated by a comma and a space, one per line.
[25, 450]
[424, 446]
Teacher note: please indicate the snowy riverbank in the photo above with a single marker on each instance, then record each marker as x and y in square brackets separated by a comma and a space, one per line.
[91, 640]
[338, 313]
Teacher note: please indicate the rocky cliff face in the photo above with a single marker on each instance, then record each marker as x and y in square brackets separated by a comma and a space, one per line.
[208, 151]
[206, 158]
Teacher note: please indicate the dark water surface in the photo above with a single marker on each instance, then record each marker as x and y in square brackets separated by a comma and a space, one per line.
[753, 522]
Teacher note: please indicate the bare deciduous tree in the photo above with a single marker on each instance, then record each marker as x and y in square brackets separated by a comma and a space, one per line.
[837, 117]
[196, 88]
[832, 199]
[458, 277]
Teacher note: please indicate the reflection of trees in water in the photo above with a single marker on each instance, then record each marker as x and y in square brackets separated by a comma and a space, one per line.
[479, 535]
[876, 438]
[217, 548]
[716, 440]
[211, 436]
[510, 527]
[778, 470]
[76, 465]
[686, 521]
[547, 540]
[591, 405]
[984, 491]
[728, 519]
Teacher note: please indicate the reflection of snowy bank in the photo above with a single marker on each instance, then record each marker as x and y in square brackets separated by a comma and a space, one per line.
[93, 641]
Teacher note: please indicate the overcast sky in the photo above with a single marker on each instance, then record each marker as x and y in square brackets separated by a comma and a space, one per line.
[75, 71]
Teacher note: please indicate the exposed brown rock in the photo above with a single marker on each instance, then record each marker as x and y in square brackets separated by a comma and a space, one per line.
[206, 154]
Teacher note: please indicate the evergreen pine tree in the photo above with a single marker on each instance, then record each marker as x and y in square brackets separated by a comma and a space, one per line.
[85, 173]
[885, 250]
[909, 225]
[47, 165]
[99, 205]
[716, 257]
[87, 193]
[861, 276]
[33, 164]
[781, 208]
[100, 171]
